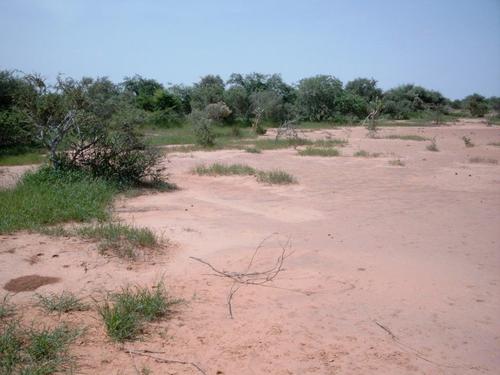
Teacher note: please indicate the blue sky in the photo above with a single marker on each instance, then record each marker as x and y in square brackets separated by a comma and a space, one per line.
[449, 45]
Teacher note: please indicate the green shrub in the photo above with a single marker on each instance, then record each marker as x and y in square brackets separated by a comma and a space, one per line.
[202, 128]
[218, 169]
[49, 197]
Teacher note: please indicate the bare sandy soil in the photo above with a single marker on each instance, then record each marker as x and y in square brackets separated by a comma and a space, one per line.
[394, 270]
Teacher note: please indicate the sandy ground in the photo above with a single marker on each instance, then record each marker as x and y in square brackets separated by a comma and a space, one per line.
[394, 270]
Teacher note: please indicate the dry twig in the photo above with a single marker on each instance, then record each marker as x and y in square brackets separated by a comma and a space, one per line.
[146, 353]
[248, 277]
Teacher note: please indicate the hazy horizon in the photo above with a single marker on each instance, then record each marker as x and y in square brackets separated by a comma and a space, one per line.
[450, 46]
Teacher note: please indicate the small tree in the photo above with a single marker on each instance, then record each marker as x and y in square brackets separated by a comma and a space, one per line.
[217, 111]
[477, 105]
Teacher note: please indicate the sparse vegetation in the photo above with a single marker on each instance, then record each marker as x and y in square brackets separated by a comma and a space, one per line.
[253, 150]
[125, 313]
[481, 160]
[366, 154]
[467, 141]
[432, 146]
[270, 177]
[497, 144]
[397, 162]
[407, 137]
[61, 303]
[22, 158]
[319, 151]
[121, 239]
[7, 309]
[276, 177]
[32, 351]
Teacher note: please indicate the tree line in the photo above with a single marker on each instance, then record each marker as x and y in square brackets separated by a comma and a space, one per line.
[30, 108]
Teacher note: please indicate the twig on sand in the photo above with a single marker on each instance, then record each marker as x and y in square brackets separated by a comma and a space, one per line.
[248, 277]
[413, 350]
[147, 353]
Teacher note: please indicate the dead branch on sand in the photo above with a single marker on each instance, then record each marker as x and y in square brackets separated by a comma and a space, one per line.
[149, 354]
[247, 277]
[413, 350]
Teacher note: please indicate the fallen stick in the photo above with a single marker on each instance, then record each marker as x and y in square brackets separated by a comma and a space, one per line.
[145, 353]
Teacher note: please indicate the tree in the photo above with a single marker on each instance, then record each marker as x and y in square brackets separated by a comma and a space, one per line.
[365, 88]
[403, 101]
[477, 105]
[317, 97]
[143, 90]
[209, 90]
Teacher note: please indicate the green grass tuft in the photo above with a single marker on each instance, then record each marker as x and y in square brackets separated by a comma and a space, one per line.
[6, 308]
[123, 240]
[47, 197]
[125, 313]
[276, 177]
[316, 151]
[30, 351]
[218, 169]
[253, 150]
[407, 137]
[61, 303]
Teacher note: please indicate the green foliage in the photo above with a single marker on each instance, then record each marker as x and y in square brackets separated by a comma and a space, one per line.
[317, 97]
[364, 88]
[217, 111]
[31, 351]
[202, 129]
[61, 303]
[25, 158]
[209, 90]
[316, 151]
[125, 313]
[397, 163]
[477, 105]
[404, 101]
[253, 150]
[365, 154]
[48, 197]
[121, 239]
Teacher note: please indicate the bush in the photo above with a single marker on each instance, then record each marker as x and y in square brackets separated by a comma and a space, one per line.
[202, 128]
[217, 111]
[61, 303]
[477, 105]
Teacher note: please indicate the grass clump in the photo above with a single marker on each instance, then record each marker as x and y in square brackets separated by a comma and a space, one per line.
[31, 351]
[218, 169]
[61, 303]
[467, 141]
[432, 146]
[125, 313]
[6, 308]
[276, 177]
[497, 144]
[121, 239]
[366, 154]
[407, 137]
[397, 162]
[480, 160]
[317, 151]
[22, 159]
[49, 197]
[331, 142]
[253, 150]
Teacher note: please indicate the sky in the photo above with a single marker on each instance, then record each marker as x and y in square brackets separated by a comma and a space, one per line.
[448, 45]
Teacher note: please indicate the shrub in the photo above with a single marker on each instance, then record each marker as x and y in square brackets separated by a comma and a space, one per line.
[467, 141]
[477, 105]
[433, 146]
[217, 111]
[218, 169]
[202, 128]
[6, 308]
